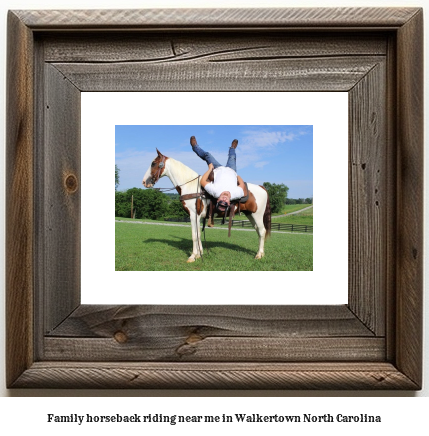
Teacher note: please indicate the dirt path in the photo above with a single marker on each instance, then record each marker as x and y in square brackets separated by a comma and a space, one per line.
[292, 213]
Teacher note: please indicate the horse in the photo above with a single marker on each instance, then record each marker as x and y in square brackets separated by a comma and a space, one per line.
[187, 181]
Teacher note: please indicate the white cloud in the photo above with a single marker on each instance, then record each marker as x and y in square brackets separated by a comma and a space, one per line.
[254, 145]
[261, 164]
[264, 139]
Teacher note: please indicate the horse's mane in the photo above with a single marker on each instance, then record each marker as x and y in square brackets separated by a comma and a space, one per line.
[183, 168]
[183, 172]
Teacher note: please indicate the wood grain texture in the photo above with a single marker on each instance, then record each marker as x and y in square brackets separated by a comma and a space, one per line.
[368, 202]
[409, 279]
[99, 321]
[189, 347]
[325, 74]
[213, 333]
[206, 18]
[193, 348]
[391, 195]
[61, 185]
[19, 200]
[215, 376]
[177, 47]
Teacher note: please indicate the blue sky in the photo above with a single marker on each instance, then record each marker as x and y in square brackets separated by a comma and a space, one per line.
[275, 154]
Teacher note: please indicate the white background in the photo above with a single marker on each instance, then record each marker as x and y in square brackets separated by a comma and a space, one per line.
[401, 414]
[326, 111]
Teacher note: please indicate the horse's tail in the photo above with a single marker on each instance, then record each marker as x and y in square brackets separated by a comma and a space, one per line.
[267, 217]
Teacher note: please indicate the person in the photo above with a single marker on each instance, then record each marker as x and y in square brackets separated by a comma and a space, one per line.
[224, 187]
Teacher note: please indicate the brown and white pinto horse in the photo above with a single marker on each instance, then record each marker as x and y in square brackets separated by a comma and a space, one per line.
[187, 181]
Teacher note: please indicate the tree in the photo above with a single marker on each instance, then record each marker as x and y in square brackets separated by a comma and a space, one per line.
[122, 204]
[154, 205]
[176, 210]
[116, 177]
[147, 203]
[309, 200]
[277, 194]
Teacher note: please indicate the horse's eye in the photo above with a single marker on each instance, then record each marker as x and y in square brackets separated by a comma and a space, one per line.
[153, 164]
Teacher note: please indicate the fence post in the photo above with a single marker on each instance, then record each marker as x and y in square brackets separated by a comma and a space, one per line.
[292, 227]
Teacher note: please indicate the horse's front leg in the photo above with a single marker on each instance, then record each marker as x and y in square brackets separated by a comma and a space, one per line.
[197, 248]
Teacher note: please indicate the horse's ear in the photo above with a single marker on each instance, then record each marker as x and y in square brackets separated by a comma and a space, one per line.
[159, 153]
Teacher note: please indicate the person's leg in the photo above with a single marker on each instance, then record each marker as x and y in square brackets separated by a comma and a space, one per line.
[205, 155]
[231, 163]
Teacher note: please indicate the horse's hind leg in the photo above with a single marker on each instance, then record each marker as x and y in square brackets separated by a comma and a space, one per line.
[257, 221]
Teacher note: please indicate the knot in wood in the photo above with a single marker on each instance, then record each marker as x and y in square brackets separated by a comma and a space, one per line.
[120, 337]
[193, 338]
[71, 183]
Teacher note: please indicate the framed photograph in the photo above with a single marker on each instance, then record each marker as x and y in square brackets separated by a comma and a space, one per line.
[267, 151]
[58, 60]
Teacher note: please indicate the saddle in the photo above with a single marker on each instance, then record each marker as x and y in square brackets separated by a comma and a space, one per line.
[246, 204]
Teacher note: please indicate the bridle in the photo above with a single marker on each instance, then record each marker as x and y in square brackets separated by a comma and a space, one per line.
[157, 175]
[161, 165]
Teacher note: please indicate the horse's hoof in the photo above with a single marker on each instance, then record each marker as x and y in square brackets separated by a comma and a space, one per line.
[259, 256]
[193, 258]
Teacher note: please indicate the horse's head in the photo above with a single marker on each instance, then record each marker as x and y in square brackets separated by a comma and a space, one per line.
[155, 171]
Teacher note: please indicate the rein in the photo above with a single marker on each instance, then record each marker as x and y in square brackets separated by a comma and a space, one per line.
[178, 186]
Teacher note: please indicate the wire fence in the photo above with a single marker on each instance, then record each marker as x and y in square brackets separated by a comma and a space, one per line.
[245, 223]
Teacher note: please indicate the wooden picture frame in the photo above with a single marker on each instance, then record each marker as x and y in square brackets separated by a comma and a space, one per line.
[373, 342]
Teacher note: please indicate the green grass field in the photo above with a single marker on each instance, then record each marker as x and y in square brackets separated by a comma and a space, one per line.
[304, 218]
[146, 247]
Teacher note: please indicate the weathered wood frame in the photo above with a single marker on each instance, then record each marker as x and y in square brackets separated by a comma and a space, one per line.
[374, 342]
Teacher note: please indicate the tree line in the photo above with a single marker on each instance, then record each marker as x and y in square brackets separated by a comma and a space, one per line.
[299, 201]
[153, 204]
[147, 203]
